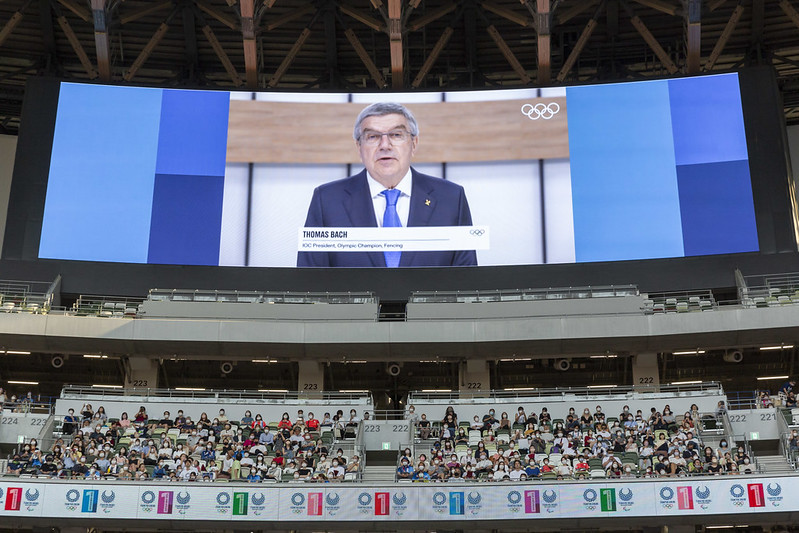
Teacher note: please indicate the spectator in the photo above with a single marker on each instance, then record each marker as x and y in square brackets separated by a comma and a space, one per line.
[247, 419]
[425, 427]
[285, 423]
[787, 387]
[521, 416]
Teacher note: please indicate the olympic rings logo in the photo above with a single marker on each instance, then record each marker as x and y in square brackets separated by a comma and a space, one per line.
[477, 232]
[540, 110]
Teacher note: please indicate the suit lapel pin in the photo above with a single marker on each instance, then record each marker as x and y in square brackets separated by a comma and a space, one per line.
[427, 202]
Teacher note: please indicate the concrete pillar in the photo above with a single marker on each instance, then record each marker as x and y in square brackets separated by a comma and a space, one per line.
[475, 378]
[311, 377]
[646, 377]
[141, 373]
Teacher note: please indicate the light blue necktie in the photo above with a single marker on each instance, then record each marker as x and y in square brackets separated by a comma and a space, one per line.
[391, 220]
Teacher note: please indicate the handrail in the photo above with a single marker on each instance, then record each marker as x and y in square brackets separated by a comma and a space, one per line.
[268, 297]
[563, 391]
[73, 391]
[508, 295]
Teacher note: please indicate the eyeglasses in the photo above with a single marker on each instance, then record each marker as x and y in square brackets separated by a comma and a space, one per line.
[373, 138]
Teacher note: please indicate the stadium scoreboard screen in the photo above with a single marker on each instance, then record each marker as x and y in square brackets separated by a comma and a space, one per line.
[634, 171]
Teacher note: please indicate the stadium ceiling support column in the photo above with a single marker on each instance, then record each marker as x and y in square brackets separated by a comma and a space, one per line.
[693, 33]
[543, 25]
[141, 372]
[475, 379]
[646, 377]
[510, 57]
[364, 55]
[248, 36]
[395, 43]
[311, 378]
[101, 39]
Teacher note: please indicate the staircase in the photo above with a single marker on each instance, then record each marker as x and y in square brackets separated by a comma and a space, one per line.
[774, 464]
[380, 473]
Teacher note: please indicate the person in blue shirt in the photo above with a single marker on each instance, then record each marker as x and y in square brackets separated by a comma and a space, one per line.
[208, 454]
[405, 470]
[421, 474]
[160, 471]
[533, 470]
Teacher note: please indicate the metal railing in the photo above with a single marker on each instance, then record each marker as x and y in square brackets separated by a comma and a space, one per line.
[266, 297]
[620, 390]
[107, 306]
[515, 295]
[80, 392]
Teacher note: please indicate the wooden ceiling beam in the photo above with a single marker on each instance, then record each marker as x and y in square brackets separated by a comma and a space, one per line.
[789, 10]
[76, 8]
[74, 42]
[12, 22]
[210, 36]
[101, 43]
[294, 14]
[568, 14]
[650, 39]
[581, 42]
[395, 43]
[432, 57]
[430, 16]
[362, 17]
[725, 36]
[543, 24]
[693, 34]
[662, 6]
[146, 51]
[289, 59]
[508, 53]
[211, 11]
[364, 55]
[136, 15]
[248, 38]
[506, 13]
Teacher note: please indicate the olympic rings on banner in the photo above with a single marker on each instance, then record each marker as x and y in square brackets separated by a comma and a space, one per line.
[540, 110]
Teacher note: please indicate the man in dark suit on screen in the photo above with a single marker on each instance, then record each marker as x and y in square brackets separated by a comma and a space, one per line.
[387, 193]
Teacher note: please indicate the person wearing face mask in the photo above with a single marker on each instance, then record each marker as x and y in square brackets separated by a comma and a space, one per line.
[746, 467]
[476, 424]
[723, 448]
[284, 422]
[490, 421]
[537, 443]
[599, 416]
[425, 428]
[521, 416]
[405, 470]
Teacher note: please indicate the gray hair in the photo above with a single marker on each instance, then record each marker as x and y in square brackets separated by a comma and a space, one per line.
[385, 108]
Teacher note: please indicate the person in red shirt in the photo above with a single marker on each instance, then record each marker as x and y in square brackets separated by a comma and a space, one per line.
[258, 422]
[581, 465]
[312, 423]
[285, 423]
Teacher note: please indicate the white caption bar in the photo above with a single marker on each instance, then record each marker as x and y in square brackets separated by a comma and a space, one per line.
[413, 239]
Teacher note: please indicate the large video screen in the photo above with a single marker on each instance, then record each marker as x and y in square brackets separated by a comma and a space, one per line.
[624, 171]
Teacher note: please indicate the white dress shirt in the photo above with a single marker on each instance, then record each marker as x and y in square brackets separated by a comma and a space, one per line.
[403, 202]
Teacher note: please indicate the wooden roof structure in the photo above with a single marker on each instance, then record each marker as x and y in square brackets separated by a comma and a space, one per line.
[406, 45]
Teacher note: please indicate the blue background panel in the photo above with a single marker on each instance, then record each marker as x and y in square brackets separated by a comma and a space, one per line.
[186, 220]
[193, 135]
[707, 118]
[624, 181]
[100, 186]
[718, 215]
